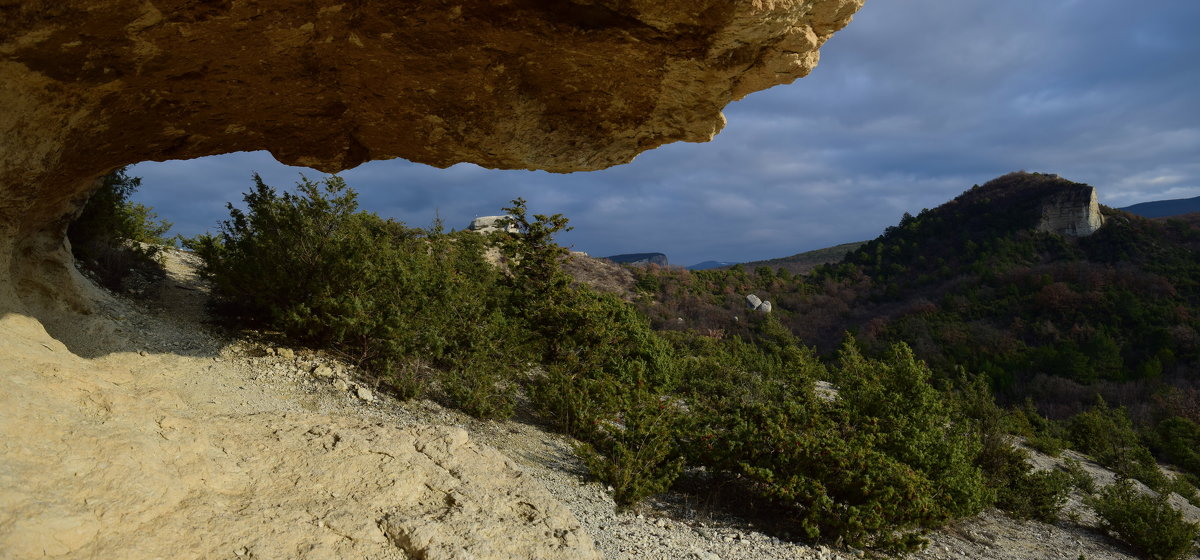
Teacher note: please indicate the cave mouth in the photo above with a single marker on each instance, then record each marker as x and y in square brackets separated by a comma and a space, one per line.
[193, 194]
[89, 87]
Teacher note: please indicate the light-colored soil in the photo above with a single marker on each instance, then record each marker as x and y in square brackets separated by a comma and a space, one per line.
[144, 433]
[136, 433]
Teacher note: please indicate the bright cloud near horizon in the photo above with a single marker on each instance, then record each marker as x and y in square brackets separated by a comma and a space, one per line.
[912, 103]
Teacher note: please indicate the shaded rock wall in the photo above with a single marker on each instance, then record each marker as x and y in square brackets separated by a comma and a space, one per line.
[90, 85]
[1073, 211]
[640, 259]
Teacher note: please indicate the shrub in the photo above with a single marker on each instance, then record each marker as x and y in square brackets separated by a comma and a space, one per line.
[1041, 433]
[829, 480]
[609, 386]
[407, 376]
[1047, 444]
[1180, 484]
[111, 233]
[606, 376]
[316, 268]
[481, 380]
[918, 424]
[1080, 478]
[1107, 434]
[1177, 439]
[885, 461]
[1018, 490]
[1148, 523]
[638, 456]
[1036, 495]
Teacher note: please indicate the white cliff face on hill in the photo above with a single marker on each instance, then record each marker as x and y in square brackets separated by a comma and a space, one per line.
[1074, 212]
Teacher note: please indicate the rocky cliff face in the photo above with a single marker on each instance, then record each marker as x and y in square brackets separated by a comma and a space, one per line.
[1072, 211]
[88, 85]
[640, 259]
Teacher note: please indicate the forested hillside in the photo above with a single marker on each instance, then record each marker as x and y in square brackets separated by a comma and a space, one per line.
[973, 285]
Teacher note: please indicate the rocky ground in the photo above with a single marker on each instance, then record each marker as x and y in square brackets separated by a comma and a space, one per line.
[309, 405]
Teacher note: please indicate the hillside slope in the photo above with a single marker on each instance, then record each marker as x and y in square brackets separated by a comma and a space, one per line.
[1165, 208]
[196, 445]
[998, 281]
[975, 283]
[139, 435]
[802, 263]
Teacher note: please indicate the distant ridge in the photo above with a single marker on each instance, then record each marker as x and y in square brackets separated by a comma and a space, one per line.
[803, 262]
[640, 258]
[710, 264]
[1165, 208]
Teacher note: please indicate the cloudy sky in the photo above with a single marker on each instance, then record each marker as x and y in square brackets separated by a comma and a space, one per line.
[914, 102]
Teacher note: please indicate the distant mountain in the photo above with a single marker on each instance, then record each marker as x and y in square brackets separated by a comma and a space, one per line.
[601, 275]
[1165, 208]
[640, 258]
[803, 262]
[706, 265]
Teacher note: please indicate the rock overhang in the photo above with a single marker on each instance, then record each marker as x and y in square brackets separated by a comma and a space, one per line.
[90, 85]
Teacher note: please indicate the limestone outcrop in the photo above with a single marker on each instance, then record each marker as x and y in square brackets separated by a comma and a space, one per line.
[88, 86]
[1072, 210]
[640, 259]
[755, 303]
[492, 224]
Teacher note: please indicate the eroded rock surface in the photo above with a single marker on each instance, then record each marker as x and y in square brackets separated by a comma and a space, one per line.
[1071, 210]
[89, 85]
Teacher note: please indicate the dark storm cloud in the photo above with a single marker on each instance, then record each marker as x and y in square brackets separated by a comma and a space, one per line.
[914, 102]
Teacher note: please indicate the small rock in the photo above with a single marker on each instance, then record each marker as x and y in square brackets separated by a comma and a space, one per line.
[241, 551]
[341, 385]
[285, 353]
[365, 394]
[141, 352]
[324, 372]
